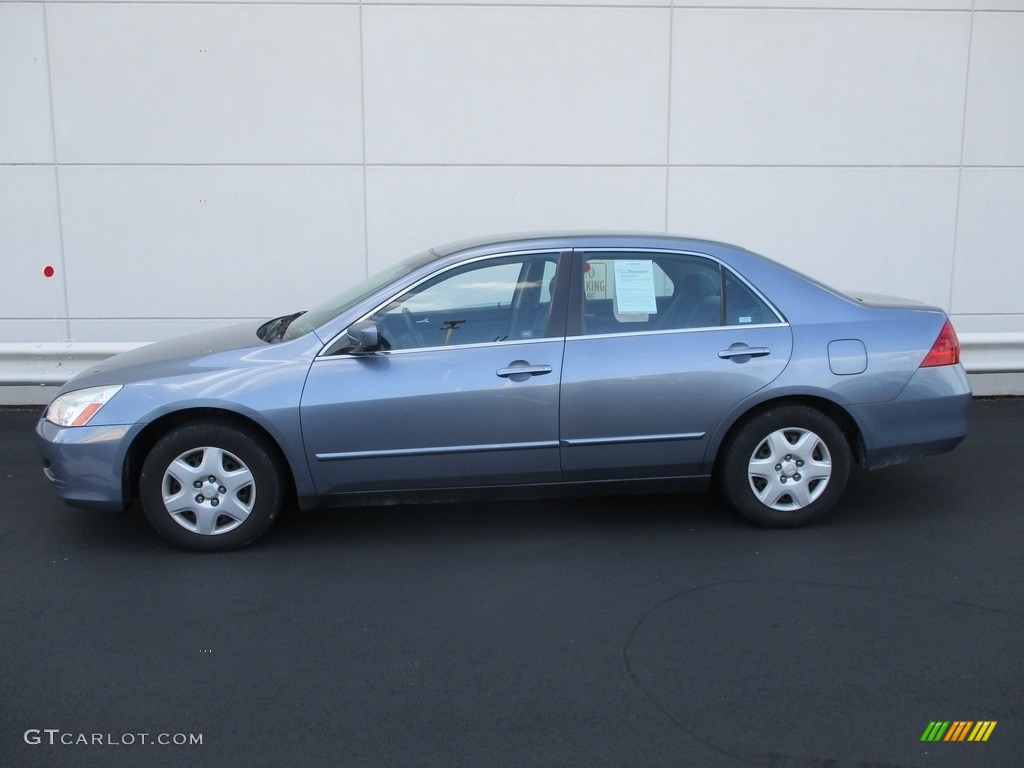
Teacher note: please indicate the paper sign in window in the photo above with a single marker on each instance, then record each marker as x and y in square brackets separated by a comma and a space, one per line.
[634, 288]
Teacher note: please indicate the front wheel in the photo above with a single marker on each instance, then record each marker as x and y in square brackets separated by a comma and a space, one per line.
[209, 486]
[786, 467]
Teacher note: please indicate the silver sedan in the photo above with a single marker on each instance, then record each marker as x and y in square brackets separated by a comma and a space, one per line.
[541, 365]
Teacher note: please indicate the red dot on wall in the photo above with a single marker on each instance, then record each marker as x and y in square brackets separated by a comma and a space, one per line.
[48, 271]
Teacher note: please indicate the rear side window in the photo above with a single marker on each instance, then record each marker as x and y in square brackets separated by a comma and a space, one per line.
[631, 292]
[743, 306]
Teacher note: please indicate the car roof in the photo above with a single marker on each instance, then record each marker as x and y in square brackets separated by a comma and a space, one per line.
[579, 239]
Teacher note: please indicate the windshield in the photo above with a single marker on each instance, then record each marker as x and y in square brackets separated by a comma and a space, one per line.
[320, 314]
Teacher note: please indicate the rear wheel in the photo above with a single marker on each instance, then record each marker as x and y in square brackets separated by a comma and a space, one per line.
[210, 486]
[786, 467]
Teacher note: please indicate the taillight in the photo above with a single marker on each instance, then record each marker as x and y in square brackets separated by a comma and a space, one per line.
[945, 350]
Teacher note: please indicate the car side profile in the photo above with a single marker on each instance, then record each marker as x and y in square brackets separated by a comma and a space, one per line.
[536, 365]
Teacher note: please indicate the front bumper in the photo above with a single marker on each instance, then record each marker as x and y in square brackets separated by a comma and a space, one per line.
[85, 464]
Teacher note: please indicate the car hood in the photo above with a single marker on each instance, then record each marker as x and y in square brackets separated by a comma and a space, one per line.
[167, 358]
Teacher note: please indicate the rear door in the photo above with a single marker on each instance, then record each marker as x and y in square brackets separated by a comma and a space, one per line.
[467, 395]
[660, 346]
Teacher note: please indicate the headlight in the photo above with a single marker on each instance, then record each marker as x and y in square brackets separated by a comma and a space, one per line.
[74, 409]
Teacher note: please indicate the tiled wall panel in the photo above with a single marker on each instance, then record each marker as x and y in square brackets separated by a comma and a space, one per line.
[411, 208]
[995, 103]
[516, 85]
[830, 5]
[208, 241]
[814, 88]
[999, 5]
[26, 129]
[989, 276]
[183, 164]
[881, 230]
[206, 83]
[29, 243]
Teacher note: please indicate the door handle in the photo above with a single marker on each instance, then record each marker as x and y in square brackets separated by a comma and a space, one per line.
[742, 350]
[520, 370]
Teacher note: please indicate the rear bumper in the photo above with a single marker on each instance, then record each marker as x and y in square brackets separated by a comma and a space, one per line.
[83, 464]
[930, 416]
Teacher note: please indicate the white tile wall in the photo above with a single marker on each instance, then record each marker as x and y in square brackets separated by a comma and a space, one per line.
[506, 85]
[838, 137]
[236, 2]
[147, 329]
[199, 83]
[413, 208]
[807, 87]
[23, 330]
[831, 5]
[995, 104]
[999, 5]
[882, 230]
[591, 3]
[1008, 322]
[989, 275]
[26, 130]
[208, 241]
[29, 242]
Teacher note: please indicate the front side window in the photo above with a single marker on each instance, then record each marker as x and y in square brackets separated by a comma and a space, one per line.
[305, 322]
[630, 292]
[496, 300]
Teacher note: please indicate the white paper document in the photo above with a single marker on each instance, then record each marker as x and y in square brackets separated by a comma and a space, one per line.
[634, 287]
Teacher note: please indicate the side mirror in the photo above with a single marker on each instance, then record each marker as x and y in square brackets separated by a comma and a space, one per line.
[362, 338]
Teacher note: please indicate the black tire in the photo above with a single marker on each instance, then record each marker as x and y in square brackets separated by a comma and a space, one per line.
[231, 510]
[785, 467]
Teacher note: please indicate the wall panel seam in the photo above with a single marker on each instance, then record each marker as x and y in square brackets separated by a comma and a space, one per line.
[668, 116]
[56, 176]
[960, 169]
[362, 108]
[668, 4]
[821, 166]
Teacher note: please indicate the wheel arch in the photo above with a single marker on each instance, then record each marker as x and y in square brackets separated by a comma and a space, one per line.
[154, 430]
[839, 415]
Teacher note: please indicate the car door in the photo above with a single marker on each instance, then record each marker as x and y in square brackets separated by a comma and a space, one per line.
[660, 346]
[467, 394]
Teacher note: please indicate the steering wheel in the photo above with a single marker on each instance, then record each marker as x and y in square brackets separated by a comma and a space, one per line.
[410, 327]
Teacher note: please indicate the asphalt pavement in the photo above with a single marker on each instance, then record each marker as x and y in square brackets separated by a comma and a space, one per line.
[611, 631]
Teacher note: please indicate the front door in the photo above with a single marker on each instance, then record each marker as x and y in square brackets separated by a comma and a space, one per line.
[467, 395]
